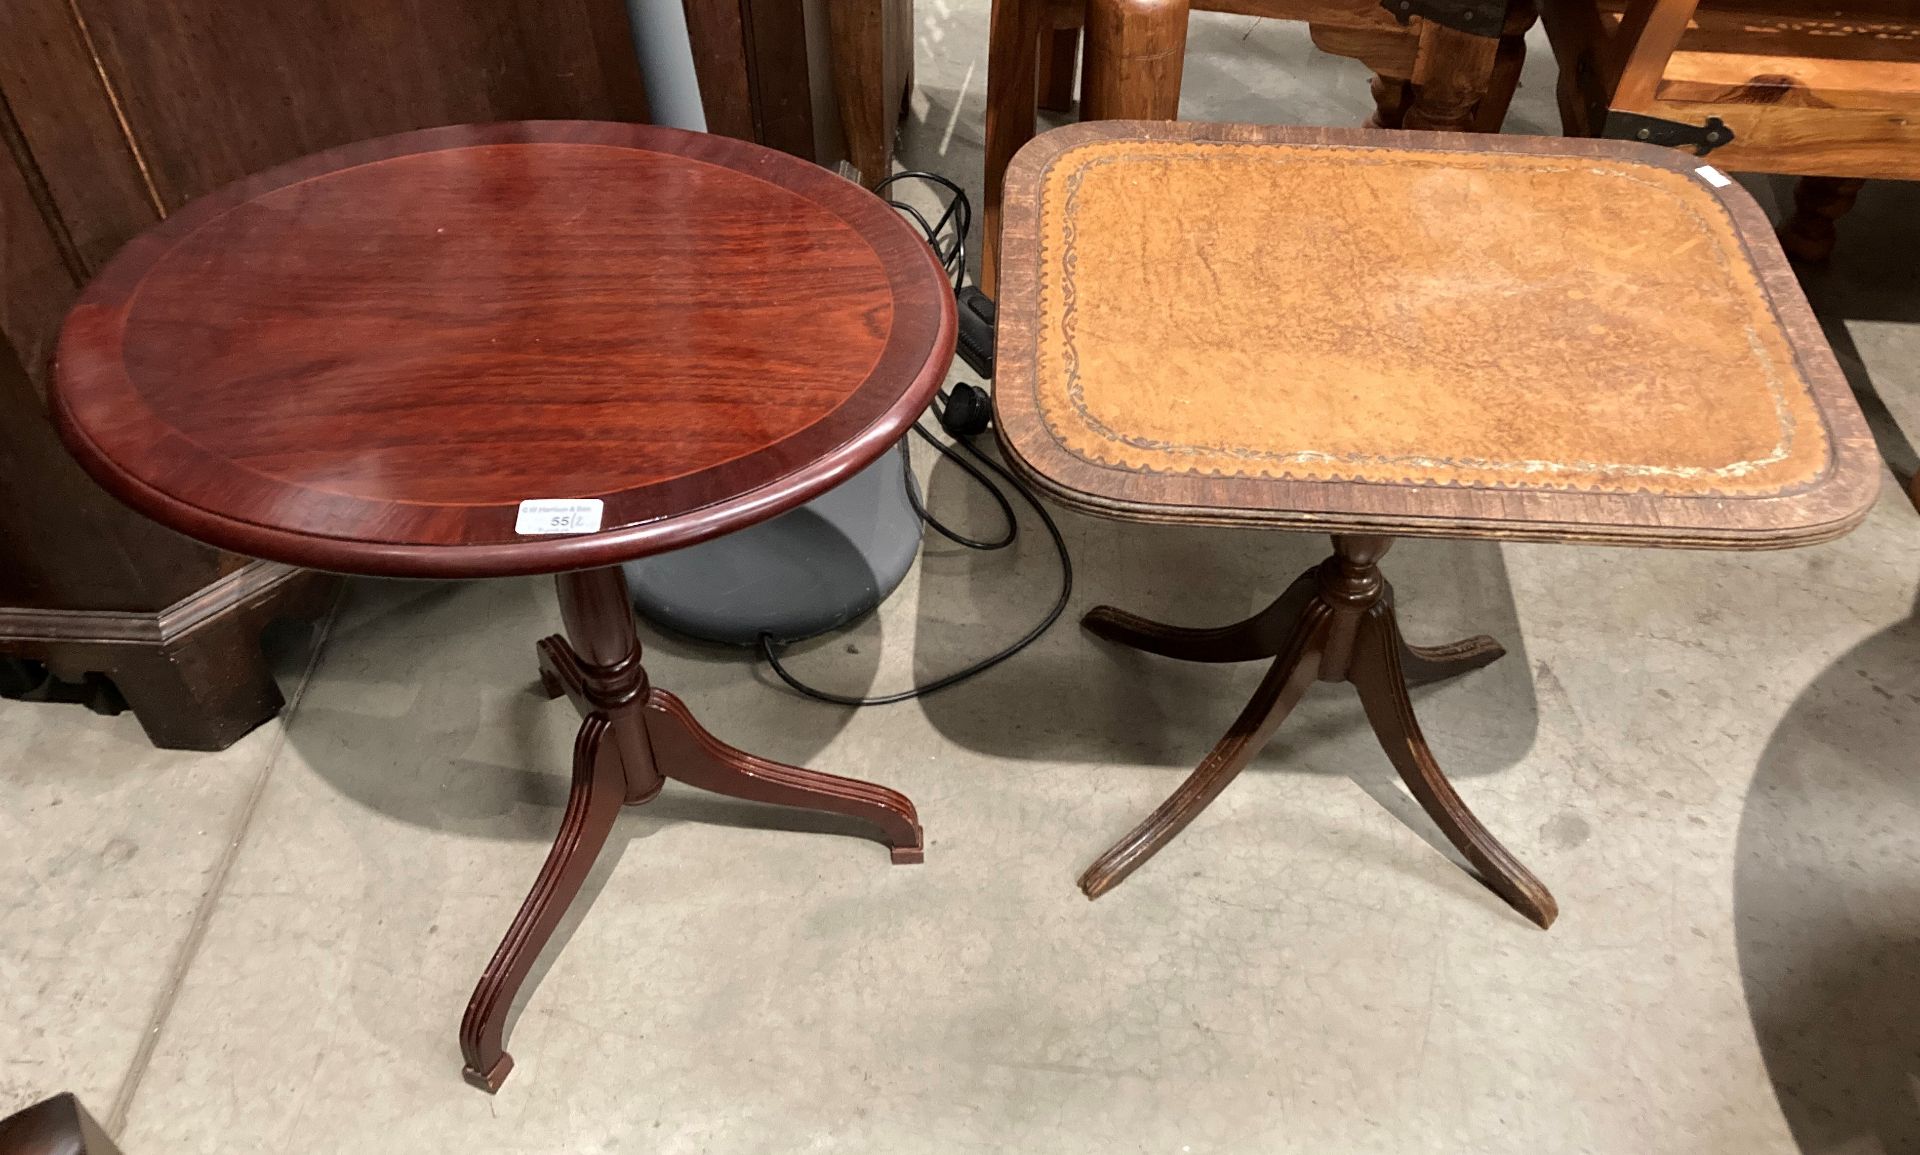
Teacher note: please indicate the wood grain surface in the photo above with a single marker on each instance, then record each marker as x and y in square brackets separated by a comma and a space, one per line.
[364, 360]
[1815, 90]
[1453, 349]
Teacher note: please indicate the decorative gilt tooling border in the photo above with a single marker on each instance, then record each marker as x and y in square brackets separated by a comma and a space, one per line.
[1530, 473]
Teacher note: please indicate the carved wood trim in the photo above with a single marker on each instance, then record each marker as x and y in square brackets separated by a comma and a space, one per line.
[258, 579]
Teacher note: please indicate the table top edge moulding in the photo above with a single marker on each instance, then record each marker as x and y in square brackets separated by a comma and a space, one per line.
[893, 303]
[1821, 501]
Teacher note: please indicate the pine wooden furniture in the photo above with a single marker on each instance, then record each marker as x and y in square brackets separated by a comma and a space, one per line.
[1376, 334]
[366, 360]
[1438, 64]
[113, 114]
[1830, 91]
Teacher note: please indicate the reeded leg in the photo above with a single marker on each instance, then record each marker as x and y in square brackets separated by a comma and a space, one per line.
[632, 739]
[1263, 635]
[687, 753]
[1343, 631]
[1376, 673]
[1279, 692]
[599, 789]
[1423, 665]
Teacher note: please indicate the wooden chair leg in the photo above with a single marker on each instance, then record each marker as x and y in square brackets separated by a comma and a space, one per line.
[1576, 109]
[1808, 236]
[1013, 42]
[1452, 74]
[1508, 59]
[1391, 95]
[1059, 54]
[1135, 51]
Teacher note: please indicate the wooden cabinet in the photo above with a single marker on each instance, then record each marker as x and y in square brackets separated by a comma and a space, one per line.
[113, 113]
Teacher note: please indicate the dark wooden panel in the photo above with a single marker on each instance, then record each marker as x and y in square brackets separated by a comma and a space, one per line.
[216, 89]
[719, 40]
[777, 61]
[37, 279]
[67, 120]
[64, 544]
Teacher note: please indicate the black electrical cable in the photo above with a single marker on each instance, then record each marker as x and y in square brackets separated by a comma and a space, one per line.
[958, 213]
[1053, 615]
[940, 527]
[959, 210]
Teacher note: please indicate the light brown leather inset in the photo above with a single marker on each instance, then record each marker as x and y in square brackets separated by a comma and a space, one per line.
[1426, 317]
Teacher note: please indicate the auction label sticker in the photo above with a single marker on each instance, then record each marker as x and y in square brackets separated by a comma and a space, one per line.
[559, 515]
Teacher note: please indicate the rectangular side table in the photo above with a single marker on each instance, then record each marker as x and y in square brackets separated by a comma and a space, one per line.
[1390, 333]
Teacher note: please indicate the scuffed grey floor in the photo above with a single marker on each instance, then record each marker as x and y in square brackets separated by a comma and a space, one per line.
[1711, 759]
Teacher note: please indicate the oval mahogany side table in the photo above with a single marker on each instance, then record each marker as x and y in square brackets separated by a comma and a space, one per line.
[539, 347]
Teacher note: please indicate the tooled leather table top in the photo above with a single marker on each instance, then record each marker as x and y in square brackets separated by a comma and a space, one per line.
[1418, 334]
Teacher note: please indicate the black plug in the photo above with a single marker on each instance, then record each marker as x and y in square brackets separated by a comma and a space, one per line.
[968, 412]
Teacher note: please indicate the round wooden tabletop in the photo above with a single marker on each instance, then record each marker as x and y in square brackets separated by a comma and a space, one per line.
[368, 359]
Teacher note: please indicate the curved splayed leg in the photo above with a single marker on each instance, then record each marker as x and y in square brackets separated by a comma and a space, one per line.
[1283, 687]
[685, 752]
[1264, 635]
[1377, 674]
[599, 789]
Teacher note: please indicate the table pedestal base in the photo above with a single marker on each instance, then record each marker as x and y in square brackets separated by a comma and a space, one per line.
[633, 738]
[1334, 624]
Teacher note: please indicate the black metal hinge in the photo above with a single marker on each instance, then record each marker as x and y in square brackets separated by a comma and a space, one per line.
[1479, 17]
[1701, 138]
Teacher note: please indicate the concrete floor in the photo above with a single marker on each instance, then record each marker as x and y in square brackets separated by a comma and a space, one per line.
[1710, 758]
